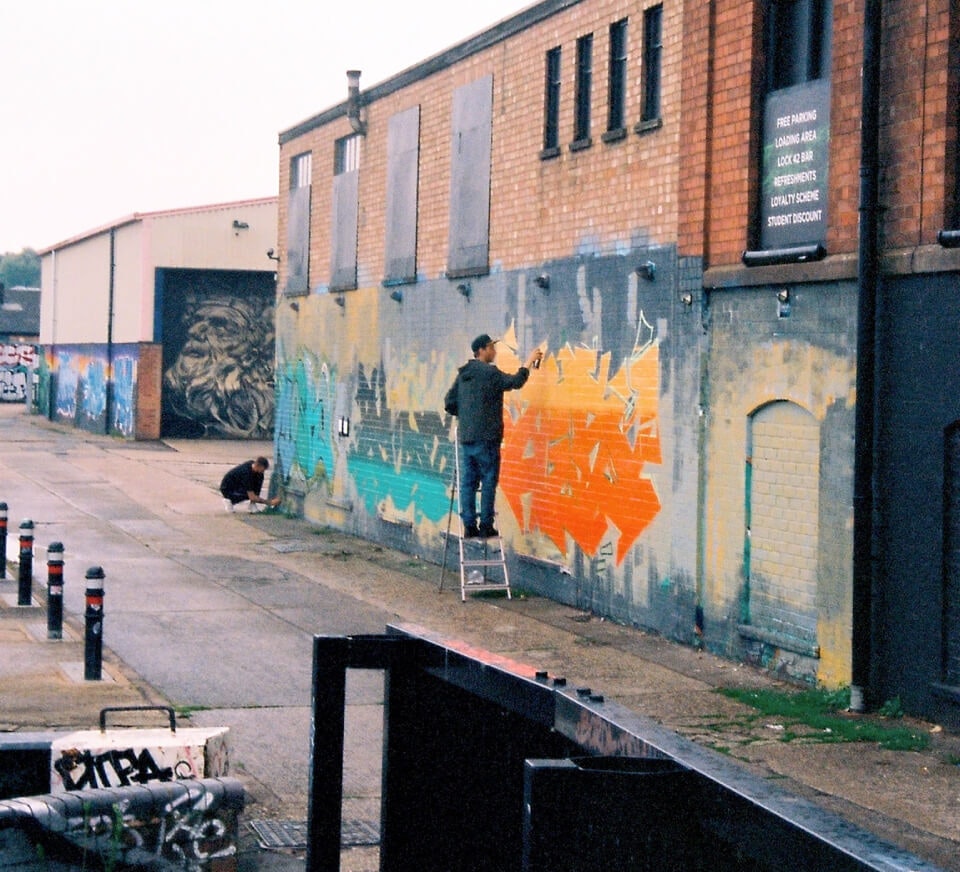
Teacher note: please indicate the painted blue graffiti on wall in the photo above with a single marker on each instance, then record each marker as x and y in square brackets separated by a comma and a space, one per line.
[94, 399]
[398, 460]
[124, 388]
[68, 378]
[83, 375]
[398, 465]
[306, 389]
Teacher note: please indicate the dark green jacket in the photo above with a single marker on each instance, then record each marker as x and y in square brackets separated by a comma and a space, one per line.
[476, 398]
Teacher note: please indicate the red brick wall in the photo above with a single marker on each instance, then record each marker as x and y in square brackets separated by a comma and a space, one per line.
[917, 112]
[620, 189]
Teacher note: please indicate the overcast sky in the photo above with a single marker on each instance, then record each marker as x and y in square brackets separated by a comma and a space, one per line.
[109, 107]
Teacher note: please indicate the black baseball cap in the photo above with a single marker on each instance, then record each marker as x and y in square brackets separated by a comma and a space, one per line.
[482, 341]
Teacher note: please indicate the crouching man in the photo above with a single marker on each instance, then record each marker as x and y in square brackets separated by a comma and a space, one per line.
[243, 483]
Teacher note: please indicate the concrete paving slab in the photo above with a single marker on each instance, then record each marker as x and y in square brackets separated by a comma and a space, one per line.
[226, 658]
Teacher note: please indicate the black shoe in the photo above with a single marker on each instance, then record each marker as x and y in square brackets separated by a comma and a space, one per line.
[471, 532]
[488, 531]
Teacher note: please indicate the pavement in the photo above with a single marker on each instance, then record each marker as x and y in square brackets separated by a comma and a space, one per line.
[213, 614]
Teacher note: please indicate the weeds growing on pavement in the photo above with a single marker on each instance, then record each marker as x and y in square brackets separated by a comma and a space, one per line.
[819, 716]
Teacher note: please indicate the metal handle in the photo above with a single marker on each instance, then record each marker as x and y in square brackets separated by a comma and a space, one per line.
[139, 708]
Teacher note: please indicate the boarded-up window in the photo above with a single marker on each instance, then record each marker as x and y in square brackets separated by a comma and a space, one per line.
[403, 159]
[470, 179]
[346, 190]
[298, 225]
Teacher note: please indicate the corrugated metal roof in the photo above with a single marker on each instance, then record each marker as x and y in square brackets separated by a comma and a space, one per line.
[162, 213]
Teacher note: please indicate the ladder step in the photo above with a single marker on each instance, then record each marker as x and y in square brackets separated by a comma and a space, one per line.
[483, 562]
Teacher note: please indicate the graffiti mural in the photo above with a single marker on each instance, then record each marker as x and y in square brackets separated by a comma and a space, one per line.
[16, 364]
[218, 358]
[582, 439]
[85, 382]
[306, 388]
[398, 464]
[576, 455]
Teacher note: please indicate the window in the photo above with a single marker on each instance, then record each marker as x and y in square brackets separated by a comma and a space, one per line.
[298, 225]
[300, 169]
[617, 85]
[346, 155]
[581, 128]
[346, 192]
[798, 42]
[652, 60]
[551, 107]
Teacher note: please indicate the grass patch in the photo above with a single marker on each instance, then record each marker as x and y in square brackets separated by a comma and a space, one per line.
[818, 716]
[184, 711]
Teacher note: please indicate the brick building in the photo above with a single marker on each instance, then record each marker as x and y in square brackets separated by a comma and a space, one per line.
[667, 199]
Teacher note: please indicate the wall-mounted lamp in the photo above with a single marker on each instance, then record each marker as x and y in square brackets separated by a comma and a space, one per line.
[354, 114]
[295, 305]
[949, 238]
[647, 270]
[542, 281]
[239, 225]
[273, 256]
[396, 295]
[343, 426]
[783, 303]
[340, 301]
[686, 298]
[465, 289]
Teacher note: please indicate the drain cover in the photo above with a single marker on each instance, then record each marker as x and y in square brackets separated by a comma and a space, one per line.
[356, 833]
[293, 834]
[290, 546]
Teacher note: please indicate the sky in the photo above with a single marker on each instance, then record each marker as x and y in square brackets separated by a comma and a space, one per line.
[110, 107]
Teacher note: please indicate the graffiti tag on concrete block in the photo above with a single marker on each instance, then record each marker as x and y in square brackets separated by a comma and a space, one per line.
[112, 768]
[122, 758]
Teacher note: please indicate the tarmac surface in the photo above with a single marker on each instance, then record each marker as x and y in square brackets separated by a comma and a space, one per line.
[213, 613]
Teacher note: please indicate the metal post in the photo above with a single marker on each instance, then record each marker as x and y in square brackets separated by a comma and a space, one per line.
[25, 592]
[3, 540]
[325, 798]
[93, 638]
[55, 590]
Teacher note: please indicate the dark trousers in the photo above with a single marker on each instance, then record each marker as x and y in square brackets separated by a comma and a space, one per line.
[479, 469]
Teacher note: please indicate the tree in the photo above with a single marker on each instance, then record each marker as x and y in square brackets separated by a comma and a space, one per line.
[20, 269]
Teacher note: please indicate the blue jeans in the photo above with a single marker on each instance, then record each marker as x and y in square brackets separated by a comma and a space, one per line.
[479, 468]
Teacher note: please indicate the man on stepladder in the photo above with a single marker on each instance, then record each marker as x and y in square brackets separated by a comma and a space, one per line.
[476, 398]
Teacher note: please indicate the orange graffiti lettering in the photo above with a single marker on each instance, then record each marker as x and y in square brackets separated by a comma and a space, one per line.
[577, 445]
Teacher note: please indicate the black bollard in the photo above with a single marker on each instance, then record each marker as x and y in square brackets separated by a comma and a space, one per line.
[93, 638]
[3, 540]
[55, 590]
[25, 592]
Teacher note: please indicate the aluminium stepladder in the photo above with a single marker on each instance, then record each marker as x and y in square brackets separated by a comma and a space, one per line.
[483, 564]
